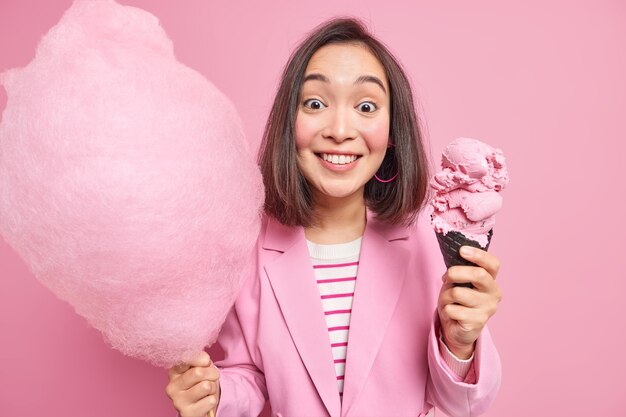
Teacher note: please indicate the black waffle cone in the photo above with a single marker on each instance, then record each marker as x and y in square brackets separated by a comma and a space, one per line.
[452, 242]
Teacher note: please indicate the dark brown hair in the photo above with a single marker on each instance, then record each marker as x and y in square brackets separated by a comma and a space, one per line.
[288, 196]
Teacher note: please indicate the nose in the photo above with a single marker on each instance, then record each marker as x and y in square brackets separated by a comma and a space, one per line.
[340, 125]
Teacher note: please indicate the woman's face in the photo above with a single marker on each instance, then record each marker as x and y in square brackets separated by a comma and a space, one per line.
[342, 124]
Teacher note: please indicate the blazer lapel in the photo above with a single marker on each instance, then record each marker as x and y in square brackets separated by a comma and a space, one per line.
[293, 281]
[380, 277]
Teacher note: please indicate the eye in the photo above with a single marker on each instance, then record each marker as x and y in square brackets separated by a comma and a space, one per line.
[367, 107]
[313, 104]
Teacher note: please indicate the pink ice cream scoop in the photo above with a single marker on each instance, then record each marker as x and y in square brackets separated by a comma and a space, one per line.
[468, 189]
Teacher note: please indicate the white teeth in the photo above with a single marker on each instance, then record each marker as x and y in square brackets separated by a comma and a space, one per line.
[339, 159]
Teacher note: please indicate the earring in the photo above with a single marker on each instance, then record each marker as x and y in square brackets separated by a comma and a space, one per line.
[389, 146]
[385, 181]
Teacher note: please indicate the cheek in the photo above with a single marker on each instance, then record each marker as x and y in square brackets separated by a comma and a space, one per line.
[304, 133]
[377, 135]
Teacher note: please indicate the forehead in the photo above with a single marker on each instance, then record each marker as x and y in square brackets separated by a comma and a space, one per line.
[345, 59]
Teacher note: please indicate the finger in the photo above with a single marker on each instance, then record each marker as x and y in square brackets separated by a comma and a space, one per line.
[192, 377]
[456, 312]
[199, 391]
[199, 373]
[212, 373]
[203, 406]
[481, 258]
[178, 370]
[464, 296]
[469, 319]
[477, 276]
[202, 359]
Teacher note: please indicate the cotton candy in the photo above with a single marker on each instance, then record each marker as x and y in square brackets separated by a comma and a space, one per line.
[126, 183]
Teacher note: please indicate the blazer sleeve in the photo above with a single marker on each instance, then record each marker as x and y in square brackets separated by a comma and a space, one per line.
[473, 395]
[242, 382]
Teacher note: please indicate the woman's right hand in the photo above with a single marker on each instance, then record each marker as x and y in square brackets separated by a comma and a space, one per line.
[194, 387]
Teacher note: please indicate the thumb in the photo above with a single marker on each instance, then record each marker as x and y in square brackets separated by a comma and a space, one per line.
[202, 359]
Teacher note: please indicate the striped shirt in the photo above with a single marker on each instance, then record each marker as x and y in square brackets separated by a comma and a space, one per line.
[335, 269]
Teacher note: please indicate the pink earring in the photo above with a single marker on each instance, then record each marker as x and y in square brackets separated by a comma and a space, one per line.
[390, 145]
[384, 181]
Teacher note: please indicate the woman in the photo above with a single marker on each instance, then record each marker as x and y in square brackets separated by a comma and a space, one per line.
[346, 314]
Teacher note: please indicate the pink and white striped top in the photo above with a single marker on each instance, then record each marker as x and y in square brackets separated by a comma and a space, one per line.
[336, 271]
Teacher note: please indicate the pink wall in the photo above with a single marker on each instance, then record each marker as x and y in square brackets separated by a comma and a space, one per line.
[544, 82]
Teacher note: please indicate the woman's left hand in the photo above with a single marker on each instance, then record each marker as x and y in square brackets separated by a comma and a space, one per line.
[463, 311]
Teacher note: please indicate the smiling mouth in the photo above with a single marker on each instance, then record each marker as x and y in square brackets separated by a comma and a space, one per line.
[338, 159]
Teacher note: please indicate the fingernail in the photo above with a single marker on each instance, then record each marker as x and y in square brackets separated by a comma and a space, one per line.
[467, 250]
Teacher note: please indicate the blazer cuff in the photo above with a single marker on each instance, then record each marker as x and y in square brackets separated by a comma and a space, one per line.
[458, 367]
[240, 394]
[484, 370]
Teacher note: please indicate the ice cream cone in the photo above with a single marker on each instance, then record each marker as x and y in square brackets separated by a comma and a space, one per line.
[450, 244]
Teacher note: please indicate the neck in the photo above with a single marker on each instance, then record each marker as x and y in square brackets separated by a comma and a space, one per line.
[338, 220]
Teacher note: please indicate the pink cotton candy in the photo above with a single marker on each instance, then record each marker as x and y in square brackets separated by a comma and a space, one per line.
[126, 183]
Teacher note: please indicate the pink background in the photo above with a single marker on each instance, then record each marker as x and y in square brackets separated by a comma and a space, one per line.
[543, 81]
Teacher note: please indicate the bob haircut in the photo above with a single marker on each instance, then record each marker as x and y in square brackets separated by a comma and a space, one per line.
[288, 196]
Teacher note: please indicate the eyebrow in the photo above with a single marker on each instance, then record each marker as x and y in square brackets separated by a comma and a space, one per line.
[361, 80]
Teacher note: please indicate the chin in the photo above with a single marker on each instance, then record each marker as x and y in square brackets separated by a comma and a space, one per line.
[341, 192]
